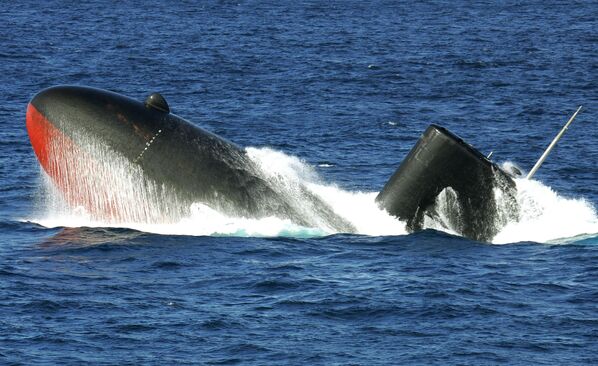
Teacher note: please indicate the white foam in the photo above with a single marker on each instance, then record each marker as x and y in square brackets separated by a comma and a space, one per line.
[286, 173]
[545, 216]
[360, 209]
[448, 213]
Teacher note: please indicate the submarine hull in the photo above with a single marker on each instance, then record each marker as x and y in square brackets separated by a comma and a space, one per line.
[477, 196]
[187, 164]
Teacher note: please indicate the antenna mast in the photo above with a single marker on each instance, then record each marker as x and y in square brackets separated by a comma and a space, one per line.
[551, 146]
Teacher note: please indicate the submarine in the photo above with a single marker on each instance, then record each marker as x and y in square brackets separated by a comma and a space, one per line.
[73, 128]
[87, 140]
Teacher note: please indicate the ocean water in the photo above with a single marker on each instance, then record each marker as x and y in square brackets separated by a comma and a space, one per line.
[332, 96]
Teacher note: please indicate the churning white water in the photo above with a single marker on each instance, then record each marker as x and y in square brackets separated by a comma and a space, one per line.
[285, 173]
[544, 215]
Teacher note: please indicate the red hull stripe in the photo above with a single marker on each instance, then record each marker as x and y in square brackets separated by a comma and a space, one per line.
[71, 168]
[41, 134]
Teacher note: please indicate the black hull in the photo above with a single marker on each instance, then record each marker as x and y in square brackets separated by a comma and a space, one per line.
[195, 164]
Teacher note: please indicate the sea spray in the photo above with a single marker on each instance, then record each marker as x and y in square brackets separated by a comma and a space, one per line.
[544, 215]
[536, 213]
[100, 184]
[446, 213]
[290, 177]
[359, 208]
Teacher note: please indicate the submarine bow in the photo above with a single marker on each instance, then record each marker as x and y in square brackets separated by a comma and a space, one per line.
[79, 134]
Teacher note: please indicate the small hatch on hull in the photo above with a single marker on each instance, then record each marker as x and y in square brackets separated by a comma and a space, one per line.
[157, 101]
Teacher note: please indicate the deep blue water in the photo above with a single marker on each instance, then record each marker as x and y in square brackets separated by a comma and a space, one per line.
[348, 87]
